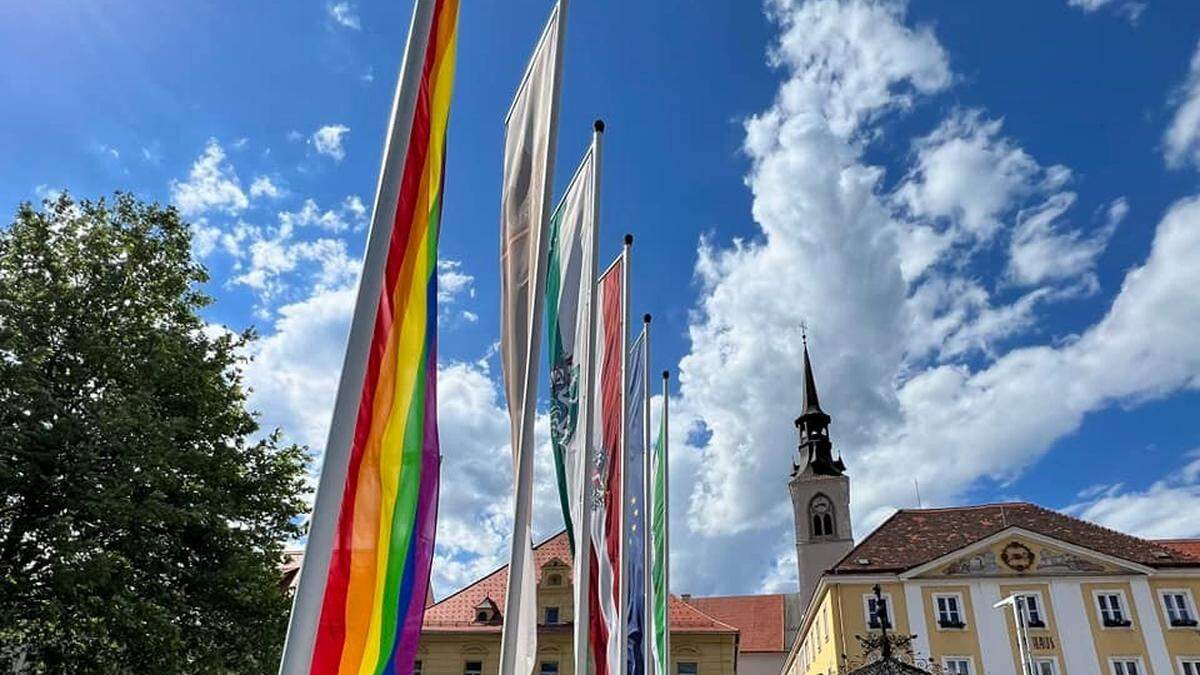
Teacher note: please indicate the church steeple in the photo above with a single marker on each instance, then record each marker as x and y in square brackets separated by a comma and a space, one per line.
[812, 425]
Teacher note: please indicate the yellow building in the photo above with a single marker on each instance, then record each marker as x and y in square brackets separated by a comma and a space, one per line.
[1099, 601]
[461, 633]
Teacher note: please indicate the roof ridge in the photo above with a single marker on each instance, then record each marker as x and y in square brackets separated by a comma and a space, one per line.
[971, 507]
[705, 614]
[1106, 528]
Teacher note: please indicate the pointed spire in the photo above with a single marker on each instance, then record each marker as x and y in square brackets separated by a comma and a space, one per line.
[811, 403]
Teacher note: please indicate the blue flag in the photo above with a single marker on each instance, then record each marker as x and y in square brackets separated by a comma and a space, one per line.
[635, 510]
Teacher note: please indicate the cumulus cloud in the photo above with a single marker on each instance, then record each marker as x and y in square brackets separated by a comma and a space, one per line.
[211, 185]
[1132, 11]
[453, 281]
[891, 337]
[263, 186]
[328, 141]
[1181, 142]
[344, 14]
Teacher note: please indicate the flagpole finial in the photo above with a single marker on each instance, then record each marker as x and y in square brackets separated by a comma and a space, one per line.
[598, 125]
[666, 374]
[629, 240]
[646, 318]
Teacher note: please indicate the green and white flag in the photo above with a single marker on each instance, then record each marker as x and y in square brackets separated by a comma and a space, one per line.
[570, 278]
[660, 629]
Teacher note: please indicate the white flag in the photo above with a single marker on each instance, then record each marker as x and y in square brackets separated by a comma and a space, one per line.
[529, 138]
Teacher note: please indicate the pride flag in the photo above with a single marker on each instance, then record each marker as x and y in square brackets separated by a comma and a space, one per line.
[367, 563]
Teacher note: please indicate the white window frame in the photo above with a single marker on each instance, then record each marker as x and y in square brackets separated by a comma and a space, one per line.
[1126, 614]
[1193, 660]
[1041, 609]
[890, 616]
[1137, 660]
[965, 659]
[1039, 660]
[1187, 598]
[960, 608]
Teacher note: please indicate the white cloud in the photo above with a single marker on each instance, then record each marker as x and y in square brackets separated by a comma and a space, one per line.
[967, 173]
[263, 186]
[1042, 251]
[453, 281]
[211, 185]
[891, 346]
[310, 215]
[1154, 512]
[47, 193]
[205, 238]
[1132, 11]
[344, 15]
[354, 206]
[1181, 142]
[328, 140]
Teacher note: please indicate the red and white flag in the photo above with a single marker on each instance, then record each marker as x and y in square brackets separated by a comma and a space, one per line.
[604, 481]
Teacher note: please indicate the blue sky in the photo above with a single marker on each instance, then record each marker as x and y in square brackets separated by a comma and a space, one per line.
[982, 212]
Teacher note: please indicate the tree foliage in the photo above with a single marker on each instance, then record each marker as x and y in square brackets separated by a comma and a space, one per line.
[142, 513]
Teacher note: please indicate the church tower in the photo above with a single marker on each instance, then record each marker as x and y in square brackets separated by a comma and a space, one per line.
[820, 492]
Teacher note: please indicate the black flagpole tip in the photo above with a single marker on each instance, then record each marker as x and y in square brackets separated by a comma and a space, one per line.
[598, 125]
[666, 374]
[645, 318]
[629, 240]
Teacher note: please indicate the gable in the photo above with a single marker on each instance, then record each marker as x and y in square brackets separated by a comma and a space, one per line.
[1022, 554]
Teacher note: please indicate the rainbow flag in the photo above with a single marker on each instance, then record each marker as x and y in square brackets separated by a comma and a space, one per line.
[382, 546]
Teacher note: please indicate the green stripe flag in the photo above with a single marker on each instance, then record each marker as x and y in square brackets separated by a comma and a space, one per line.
[660, 625]
[569, 280]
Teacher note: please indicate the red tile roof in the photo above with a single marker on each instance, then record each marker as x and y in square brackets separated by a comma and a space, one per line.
[759, 618]
[457, 612]
[912, 537]
[1188, 547]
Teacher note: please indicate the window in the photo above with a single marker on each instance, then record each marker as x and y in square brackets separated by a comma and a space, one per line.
[820, 514]
[473, 668]
[1190, 665]
[551, 615]
[549, 668]
[1031, 608]
[956, 665]
[1045, 667]
[554, 580]
[686, 668]
[1127, 666]
[949, 610]
[874, 613]
[1112, 610]
[1178, 605]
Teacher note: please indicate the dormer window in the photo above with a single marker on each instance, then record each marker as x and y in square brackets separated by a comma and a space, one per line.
[554, 580]
[487, 612]
[820, 517]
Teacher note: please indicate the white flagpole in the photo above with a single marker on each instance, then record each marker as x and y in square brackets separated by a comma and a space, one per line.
[523, 471]
[314, 570]
[647, 508]
[583, 528]
[623, 643]
[666, 378]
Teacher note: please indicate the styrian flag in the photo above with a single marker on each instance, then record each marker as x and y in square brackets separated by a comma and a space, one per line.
[604, 474]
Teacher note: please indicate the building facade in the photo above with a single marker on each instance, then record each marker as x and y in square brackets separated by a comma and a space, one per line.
[1099, 601]
[461, 633]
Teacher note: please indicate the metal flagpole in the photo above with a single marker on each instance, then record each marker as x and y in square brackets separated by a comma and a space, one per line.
[583, 529]
[314, 570]
[666, 380]
[647, 598]
[1017, 602]
[624, 573]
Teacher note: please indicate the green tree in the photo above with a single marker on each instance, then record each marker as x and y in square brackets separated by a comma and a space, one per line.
[142, 514]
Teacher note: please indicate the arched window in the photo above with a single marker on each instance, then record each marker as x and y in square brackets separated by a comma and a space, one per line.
[821, 517]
